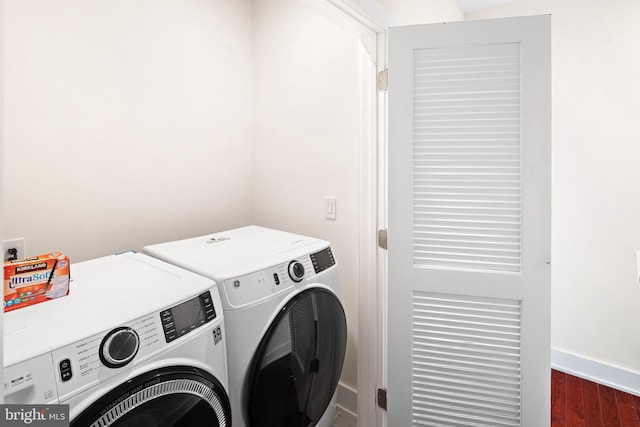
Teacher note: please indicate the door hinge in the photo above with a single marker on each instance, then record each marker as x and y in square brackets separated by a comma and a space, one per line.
[383, 79]
[382, 238]
[382, 398]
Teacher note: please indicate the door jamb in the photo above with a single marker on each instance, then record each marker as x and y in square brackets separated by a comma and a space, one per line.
[368, 18]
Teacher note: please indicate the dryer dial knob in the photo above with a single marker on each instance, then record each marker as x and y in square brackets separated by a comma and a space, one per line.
[296, 271]
[119, 347]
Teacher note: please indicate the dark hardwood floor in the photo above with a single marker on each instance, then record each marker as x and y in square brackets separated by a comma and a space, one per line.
[578, 402]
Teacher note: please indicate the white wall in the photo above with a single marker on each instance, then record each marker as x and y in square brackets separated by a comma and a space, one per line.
[128, 122]
[306, 136]
[596, 148]
[596, 226]
[131, 122]
[515, 8]
[412, 12]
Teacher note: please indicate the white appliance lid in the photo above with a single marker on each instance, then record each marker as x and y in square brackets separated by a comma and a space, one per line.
[104, 293]
[245, 249]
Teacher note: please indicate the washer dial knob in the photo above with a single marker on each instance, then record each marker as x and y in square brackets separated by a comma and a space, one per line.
[119, 347]
[296, 271]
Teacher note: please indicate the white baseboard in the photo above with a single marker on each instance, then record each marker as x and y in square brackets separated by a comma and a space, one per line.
[618, 378]
[344, 418]
[346, 407]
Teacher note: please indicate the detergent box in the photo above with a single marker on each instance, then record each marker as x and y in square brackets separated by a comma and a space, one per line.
[36, 279]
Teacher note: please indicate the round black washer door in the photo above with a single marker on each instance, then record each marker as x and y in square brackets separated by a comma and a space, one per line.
[177, 396]
[295, 370]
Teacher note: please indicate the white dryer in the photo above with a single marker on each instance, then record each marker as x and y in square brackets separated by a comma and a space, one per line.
[287, 328]
[137, 342]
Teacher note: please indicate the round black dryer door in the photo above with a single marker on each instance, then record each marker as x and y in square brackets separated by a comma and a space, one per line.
[296, 368]
[177, 396]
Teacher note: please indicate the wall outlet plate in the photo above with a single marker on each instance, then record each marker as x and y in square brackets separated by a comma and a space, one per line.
[13, 249]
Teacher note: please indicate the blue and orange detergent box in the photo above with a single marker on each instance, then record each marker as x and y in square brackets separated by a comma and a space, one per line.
[36, 279]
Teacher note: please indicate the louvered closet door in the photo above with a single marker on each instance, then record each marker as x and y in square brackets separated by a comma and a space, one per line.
[469, 224]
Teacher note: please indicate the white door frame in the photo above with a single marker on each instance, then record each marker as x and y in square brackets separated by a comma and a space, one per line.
[365, 18]
[372, 274]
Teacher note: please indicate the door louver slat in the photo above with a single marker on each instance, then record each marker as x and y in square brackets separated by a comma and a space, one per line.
[466, 168]
[466, 361]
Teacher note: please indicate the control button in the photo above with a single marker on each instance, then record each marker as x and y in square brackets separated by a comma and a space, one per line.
[296, 271]
[168, 325]
[65, 370]
[206, 298]
[207, 302]
[276, 278]
[119, 347]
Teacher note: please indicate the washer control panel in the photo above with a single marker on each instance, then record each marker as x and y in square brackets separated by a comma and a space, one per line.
[83, 364]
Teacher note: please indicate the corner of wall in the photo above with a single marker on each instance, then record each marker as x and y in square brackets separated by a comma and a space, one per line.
[598, 372]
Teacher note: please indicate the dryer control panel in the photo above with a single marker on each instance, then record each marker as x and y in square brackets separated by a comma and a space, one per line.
[258, 286]
[322, 260]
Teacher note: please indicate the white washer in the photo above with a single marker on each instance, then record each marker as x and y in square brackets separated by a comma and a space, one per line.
[287, 328]
[137, 341]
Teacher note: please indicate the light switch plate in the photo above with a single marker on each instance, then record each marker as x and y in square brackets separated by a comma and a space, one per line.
[330, 207]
